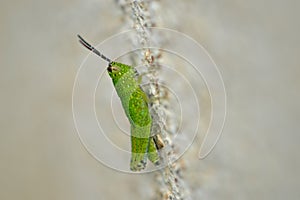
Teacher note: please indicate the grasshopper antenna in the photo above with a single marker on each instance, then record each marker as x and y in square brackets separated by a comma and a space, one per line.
[91, 48]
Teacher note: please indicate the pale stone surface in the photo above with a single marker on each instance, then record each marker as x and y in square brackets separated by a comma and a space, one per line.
[256, 45]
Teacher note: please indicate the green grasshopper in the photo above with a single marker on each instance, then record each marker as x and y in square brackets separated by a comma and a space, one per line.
[135, 104]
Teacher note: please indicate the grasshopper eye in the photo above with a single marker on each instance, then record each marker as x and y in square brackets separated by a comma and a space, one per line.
[109, 68]
[113, 69]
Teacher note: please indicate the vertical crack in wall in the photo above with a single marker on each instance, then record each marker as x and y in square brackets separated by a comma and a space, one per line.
[141, 15]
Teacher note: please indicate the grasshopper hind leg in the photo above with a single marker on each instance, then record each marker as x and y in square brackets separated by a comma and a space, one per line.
[139, 153]
[138, 162]
[152, 152]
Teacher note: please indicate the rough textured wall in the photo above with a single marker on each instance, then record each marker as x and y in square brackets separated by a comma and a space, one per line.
[256, 47]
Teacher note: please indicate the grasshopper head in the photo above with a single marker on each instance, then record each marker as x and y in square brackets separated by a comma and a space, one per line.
[117, 70]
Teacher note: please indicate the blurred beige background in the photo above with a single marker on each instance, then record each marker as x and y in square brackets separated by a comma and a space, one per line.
[256, 45]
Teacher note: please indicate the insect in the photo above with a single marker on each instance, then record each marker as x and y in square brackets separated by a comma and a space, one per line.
[135, 104]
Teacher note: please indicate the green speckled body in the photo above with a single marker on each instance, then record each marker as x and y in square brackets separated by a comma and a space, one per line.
[135, 104]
